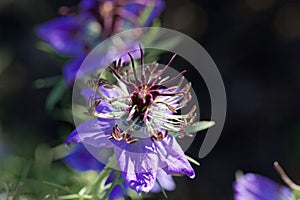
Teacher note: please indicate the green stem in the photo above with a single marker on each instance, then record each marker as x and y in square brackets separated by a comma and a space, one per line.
[104, 174]
[116, 182]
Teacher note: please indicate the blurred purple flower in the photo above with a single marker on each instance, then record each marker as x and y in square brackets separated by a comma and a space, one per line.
[77, 33]
[134, 118]
[257, 187]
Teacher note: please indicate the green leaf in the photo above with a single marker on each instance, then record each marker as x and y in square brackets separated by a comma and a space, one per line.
[55, 94]
[192, 160]
[107, 75]
[199, 126]
[146, 13]
[43, 46]
[76, 196]
[57, 186]
[46, 82]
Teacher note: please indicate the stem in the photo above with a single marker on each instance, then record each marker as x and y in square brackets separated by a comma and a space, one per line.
[116, 182]
[104, 174]
[285, 177]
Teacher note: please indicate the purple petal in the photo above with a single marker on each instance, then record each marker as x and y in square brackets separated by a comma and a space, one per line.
[172, 157]
[117, 191]
[138, 164]
[81, 159]
[71, 68]
[257, 187]
[87, 93]
[104, 55]
[165, 180]
[159, 6]
[103, 106]
[138, 7]
[86, 5]
[93, 132]
[64, 34]
[111, 93]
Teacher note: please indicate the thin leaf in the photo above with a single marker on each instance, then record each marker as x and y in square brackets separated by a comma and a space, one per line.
[146, 13]
[199, 126]
[46, 82]
[55, 95]
[57, 186]
[192, 160]
[76, 196]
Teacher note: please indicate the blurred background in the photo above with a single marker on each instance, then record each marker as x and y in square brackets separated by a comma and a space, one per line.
[254, 43]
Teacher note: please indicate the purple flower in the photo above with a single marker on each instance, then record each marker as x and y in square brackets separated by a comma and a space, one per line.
[257, 187]
[134, 117]
[68, 34]
[82, 160]
[77, 33]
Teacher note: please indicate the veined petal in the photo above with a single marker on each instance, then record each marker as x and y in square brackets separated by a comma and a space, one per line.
[166, 181]
[93, 132]
[257, 187]
[172, 157]
[137, 164]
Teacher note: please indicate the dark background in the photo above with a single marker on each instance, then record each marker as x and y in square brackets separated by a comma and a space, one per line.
[256, 46]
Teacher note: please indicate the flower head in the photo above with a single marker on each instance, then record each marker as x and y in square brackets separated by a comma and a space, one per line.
[76, 33]
[257, 187]
[80, 159]
[137, 114]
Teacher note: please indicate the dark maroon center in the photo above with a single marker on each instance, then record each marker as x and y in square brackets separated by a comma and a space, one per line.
[143, 98]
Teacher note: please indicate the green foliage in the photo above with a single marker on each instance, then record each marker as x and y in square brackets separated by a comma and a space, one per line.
[199, 126]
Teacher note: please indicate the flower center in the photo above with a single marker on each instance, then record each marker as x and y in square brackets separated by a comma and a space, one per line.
[142, 99]
[145, 104]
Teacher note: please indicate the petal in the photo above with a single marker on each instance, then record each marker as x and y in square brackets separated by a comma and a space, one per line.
[138, 7]
[71, 68]
[166, 181]
[81, 159]
[87, 93]
[172, 157]
[93, 132]
[117, 192]
[63, 34]
[103, 106]
[138, 164]
[257, 187]
[86, 5]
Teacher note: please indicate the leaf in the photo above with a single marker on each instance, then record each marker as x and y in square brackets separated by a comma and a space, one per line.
[192, 160]
[46, 82]
[57, 186]
[146, 13]
[199, 126]
[76, 196]
[55, 94]
[107, 75]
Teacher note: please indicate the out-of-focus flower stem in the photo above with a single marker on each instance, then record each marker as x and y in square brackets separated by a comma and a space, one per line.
[101, 179]
[113, 184]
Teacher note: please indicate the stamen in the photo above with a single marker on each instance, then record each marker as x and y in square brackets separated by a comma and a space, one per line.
[285, 177]
[161, 71]
[142, 64]
[134, 70]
